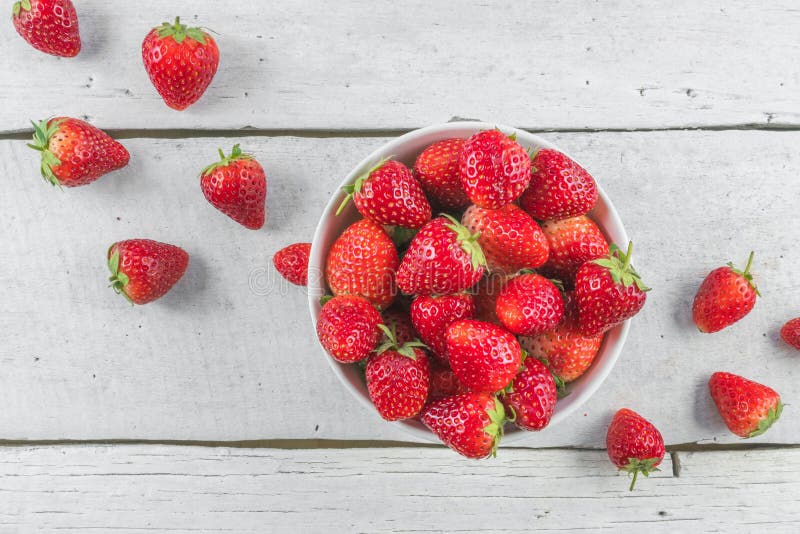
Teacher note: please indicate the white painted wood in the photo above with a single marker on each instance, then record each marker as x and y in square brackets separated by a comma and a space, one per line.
[361, 64]
[217, 360]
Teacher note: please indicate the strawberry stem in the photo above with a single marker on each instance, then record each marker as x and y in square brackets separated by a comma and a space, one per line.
[628, 256]
[749, 263]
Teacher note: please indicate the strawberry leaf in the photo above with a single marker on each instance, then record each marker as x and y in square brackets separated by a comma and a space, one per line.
[636, 466]
[179, 32]
[468, 242]
[497, 416]
[42, 132]
[224, 161]
[618, 265]
[772, 415]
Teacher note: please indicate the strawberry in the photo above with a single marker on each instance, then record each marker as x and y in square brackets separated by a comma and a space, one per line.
[634, 444]
[237, 186]
[398, 321]
[531, 396]
[389, 194]
[75, 152]
[180, 61]
[398, 378]
[444, 383]
[530, 304]
[50, 26]
[486, 292]
[509, 238]
[608, 291]
[436, 169]
[559, 187]
[572, 243]
[747, 407]
[471, 424]
[484, 357]
[790, 333]
[431, 315]
[143, 270]
[362, 261]
[292, 263]
[442, 258]
[725, 296]
[494, 169]
[348, 328]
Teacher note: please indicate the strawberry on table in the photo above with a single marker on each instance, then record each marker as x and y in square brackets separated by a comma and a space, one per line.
[74, 152]
[471, 423]
[530, 304]
[143, 270]
[292, 263]
[790, 333]
[634, 445]
[436, 169]
[484, 357]
[494, 169]
[180, 61]
[748, 408]
[348, 328]
[237, 186]
[725, 296]
[50, 26]
[572, 243]
[559, 187]
[530, 399]
[432, 315]
[444, 382]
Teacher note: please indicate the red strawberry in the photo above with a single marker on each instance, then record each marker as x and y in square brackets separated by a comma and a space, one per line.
[75, 152]
[292, 263]
[634, 444]
[50, 26]
[442, 258]
[747, 407]
[725, 296]
[432, 315]
[398, 378]
[471, 424]
[486, 292]
[494, 169]
[444, 383]
[509, 238]
[436, 169]
[389, 194]
[531, 397]
[484, 357]
[608, 291]
[559, 187]
[572, 243]
[362, 261]
[143, 270]
[567, 353]
[399, 322]
[237, 186]
[790, 333]
[348, 328]
[530, 304]
[180, 61]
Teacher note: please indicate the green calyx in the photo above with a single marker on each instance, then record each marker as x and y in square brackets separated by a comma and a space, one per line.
[407, 349]
[323, 300]
[772, 415]
[561, 386]
[224, 161]
[355, 187]
[619, 267]
[19, 6]
[42, 132]
[180, 32]
[746, 273]
[468, 242]
[636, 466]
[497, 418]
[118, 279]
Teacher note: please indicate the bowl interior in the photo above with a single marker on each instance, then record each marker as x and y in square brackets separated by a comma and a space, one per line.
[405, 149]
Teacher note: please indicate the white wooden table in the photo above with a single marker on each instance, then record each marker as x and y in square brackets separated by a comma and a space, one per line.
[214, 410]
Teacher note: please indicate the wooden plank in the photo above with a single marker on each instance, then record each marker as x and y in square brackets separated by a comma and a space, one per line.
[230, 354]
[553, 65]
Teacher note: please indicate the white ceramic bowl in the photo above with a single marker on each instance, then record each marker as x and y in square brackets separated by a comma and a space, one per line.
[405, 149]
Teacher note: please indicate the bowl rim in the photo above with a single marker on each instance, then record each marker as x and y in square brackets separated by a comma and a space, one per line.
[317, 286]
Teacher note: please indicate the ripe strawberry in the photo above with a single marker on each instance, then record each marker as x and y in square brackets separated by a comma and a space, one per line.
[531, 397]
[389, 194]
[292, 263]
[237, 186]
[471, 424]
[634, 444]
[75, 152]
[484, 357]
[572, 243]
[50, 26]
[348, 328]
[608, 291]
[747, 407]
[143, 270]
[398, 321]
[431, 315]
[725, 296]
[398, 378]
[790, 333]
[444, 383]
[530, 304]
[486, 292]
[442, 258]
[559, 187]
[362, 261]
[436, 169]
[494, 169]
[180, 61]
[509, 238]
